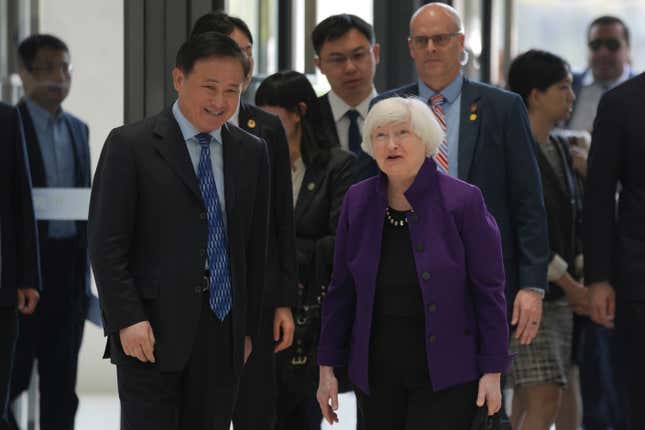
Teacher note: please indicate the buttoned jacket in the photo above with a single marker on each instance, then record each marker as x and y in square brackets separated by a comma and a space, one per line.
[458, 256]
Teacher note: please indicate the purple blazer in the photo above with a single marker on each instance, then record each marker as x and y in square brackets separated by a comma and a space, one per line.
[458, 255]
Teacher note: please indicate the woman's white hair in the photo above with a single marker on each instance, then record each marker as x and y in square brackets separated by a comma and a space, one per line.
[398, 109]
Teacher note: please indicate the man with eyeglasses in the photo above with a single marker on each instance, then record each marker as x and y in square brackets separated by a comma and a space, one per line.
[488, 143]
[597, 351]
[608, 43]
[59, 157]
[347, 54]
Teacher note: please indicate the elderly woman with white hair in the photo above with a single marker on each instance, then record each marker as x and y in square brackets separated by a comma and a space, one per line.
[416, 306]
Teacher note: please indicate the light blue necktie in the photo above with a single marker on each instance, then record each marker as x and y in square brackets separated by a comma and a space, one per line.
[217, 252]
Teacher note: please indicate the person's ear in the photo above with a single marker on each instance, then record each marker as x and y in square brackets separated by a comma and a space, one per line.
[302, 107]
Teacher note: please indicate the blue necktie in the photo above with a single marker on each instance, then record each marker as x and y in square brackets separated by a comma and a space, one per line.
[354, 134]
[217, 252]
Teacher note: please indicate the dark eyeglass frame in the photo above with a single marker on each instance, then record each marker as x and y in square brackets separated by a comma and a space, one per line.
[612, 44]
[440, 40]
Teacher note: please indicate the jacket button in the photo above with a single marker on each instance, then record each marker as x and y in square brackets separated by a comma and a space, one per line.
[425, 276]
[202, 216]
[198, 289]
[433, 339]
[420, 248]
[432, 307]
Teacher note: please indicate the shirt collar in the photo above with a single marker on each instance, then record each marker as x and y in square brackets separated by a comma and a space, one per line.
[451, 92]
[588, 78]
[339, 108]
[41, 115]
[188, 131]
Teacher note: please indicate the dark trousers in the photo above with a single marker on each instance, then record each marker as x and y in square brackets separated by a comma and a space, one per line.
[7, 341]
[401, 395]
[630, 328]
[256, 400]
[52, 335]
[199, 397]
[601, 387]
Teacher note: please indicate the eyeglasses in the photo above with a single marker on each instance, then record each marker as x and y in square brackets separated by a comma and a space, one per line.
[612, 44]
[48, 69]
[356, 57]
[439, 40]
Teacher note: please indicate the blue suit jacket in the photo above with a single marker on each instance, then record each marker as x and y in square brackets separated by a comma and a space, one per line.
[458, 257]
[80, 138]
[497, 154]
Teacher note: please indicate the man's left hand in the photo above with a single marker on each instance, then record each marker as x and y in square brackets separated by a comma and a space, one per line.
[27, 300]
[527, 315]
[283, 328]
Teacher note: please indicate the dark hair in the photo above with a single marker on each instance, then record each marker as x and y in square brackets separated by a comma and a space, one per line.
[336, 26]
[220, 22]
[535, 69]
[28, 48]
[206, 45]
[609, 20]
[287, 90]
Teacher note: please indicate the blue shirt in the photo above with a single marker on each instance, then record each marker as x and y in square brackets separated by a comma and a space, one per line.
[451, 107]
[189, 132]
[56, 147]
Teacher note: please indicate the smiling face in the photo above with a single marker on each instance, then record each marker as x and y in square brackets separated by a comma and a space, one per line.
[398, 151]
[210, 92]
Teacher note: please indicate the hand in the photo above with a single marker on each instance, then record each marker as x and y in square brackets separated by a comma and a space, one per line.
[602, 303]
[27, 300]
[578, 298]
[527, 315]
[327, 394]
[579, 160]
[248, 348]
[490, 392]
[283, 322]
[138, 341]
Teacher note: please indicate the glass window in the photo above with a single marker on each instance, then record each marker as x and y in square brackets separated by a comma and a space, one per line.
[262, 18]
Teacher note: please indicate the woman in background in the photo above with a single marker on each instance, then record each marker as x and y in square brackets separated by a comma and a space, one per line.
[321, 175]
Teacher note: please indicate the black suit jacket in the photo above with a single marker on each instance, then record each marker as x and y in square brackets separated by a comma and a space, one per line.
[148, 234]
[18, 237]
[614, 237]
[317, 210]
[280, 289]
[497, 154]
[365, 166]
[80, 141]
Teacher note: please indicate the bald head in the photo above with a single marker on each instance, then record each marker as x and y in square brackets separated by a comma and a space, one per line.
[438, 11]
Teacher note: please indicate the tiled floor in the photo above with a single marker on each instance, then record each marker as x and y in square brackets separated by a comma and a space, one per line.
[101, 412]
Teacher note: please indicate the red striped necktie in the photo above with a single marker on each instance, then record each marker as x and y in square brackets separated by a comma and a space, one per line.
[441, 157]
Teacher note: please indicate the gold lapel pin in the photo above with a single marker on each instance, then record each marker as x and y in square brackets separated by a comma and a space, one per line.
[251, 123]
[311, 186]
[473, 116]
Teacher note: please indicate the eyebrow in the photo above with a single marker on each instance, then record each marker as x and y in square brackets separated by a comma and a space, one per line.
[215, 81]
[358, 48]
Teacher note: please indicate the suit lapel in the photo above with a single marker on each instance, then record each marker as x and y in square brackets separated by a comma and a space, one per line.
[247, 120]
[36, 163]
[172, 147]
[232, 163]
[469, 123]
[310, 185]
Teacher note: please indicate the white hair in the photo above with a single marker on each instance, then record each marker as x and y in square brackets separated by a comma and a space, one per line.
[423, 122]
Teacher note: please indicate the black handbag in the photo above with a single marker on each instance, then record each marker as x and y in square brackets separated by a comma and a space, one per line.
[483, 421]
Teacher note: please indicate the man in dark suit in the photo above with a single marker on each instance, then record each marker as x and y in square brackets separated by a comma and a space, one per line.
[59, 157]
[614, 232]
[256, 402]
[347, 54]
[178, 237]
[488, 143]
[19, 271]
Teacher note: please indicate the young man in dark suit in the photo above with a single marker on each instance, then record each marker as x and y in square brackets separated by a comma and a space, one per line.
[19, 271]
[256, 401]
[59, 157]
[178, 242]
[347, 54]
[614, 233]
